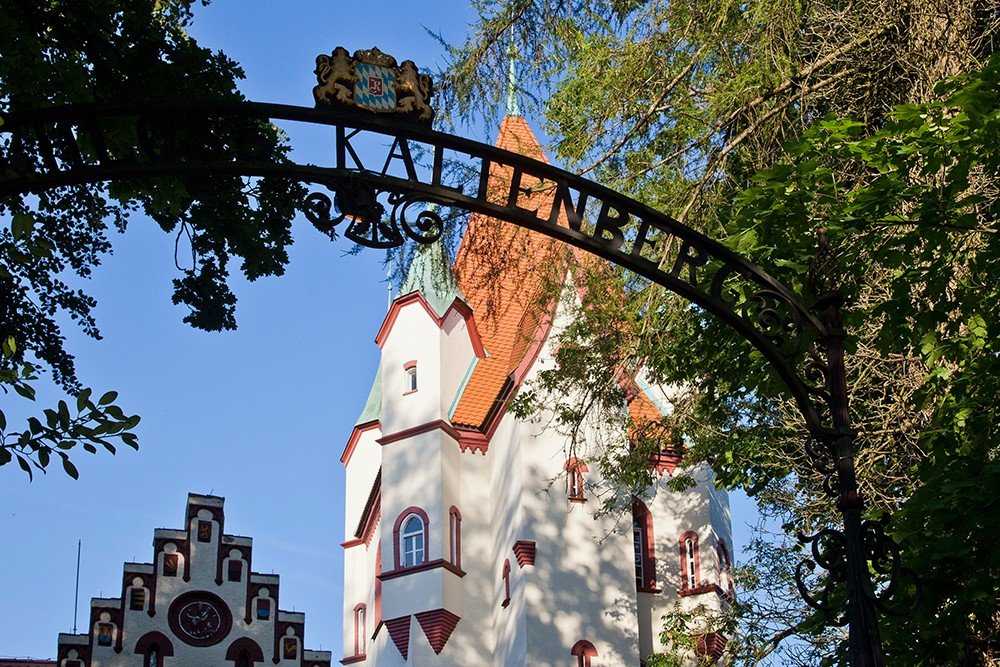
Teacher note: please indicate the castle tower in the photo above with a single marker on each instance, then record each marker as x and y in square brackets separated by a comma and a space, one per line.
[472, 537]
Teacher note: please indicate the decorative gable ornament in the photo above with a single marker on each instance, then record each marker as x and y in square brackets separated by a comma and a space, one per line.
[371, 80]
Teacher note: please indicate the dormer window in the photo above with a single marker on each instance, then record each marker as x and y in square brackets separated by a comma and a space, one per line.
[409, 377]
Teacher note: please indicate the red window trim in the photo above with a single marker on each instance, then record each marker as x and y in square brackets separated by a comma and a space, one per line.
[575, 468]
[682, 540]
[359, 632]
[455, 536]
[584, 651]
[398, 526]
[726, 568]
[642, 515]
[407, 367]
[505, 575]
[377, 621]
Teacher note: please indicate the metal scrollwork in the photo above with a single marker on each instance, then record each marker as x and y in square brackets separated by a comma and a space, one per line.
[369, 226]
[883, 554]
[829, 552]
[770, 314]
[426, 227]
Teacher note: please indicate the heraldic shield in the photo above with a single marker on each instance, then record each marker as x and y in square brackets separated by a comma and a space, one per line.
[372, 80]
[375, 87]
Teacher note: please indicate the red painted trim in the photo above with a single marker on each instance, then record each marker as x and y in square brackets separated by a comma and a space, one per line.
[642, 515]
[701, 590]
[455, 535]
[398, 525]
[575, 491]
[505, 575]
[726, 567]
[584, 651]
[410, 364]
[373, 518]
[428, 565]
[354, 658]
[459, 306]
[399, 632]
[712, 644]
[437, 626]
[359, 630]
[352, 543]
[664, 462]
[524, 551]
[352, 442]
[697, 564]
[417, 430]
[472, 441]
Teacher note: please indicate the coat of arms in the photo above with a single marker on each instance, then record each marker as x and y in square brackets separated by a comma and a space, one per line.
[373, 81]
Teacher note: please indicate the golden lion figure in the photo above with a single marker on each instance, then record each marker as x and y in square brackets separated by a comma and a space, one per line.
[413, 90]
[335, 74]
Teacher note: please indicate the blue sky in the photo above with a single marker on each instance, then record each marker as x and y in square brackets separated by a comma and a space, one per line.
[259, 415]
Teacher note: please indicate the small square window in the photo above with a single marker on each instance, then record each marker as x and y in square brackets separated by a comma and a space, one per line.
[235, 570]
[170, 565]
[104, 634]
[204, 531]
[137, 599]
[411, 379]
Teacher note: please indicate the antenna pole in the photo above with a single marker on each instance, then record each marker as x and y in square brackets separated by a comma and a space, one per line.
[76, 591]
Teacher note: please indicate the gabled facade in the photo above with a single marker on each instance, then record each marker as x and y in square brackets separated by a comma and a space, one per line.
[472, 537]
[198, 603]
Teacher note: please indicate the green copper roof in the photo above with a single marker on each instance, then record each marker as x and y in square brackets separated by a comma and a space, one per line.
[373, 406]
[430, 274]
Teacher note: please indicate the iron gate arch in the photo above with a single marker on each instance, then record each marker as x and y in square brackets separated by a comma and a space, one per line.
[805, 350]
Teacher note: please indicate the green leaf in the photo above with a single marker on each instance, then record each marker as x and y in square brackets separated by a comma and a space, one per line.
[108, 397]
[3, 421]
[4, 456]
[22, 225]
[25, 390]
[83, 399]
[70, 468]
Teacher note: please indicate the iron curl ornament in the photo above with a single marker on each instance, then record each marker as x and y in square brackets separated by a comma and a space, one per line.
[829, 550]
[358, 201]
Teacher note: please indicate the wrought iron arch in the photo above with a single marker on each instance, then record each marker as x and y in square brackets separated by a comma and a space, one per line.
[379, 208]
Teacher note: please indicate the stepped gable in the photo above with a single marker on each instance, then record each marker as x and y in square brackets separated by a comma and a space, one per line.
[501, 270]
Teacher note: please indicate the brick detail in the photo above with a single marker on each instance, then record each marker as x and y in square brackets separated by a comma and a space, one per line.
[712, 644]
[524, 551]
[438, 626]
[399, 632]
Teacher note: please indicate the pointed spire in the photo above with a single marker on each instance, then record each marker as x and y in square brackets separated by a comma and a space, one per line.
[513, 108]
[373, 406]
[430, 274]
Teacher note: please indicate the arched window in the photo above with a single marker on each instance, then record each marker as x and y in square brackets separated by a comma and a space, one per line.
[245, 652]
[725, 570]
[409, 536]
[409, 377]
[455, 532]
[644, 546]
[584, 651]
[575, 468]
[154, 647]
[360, 645]
[505, 575]
[690, 561]
[413, 541]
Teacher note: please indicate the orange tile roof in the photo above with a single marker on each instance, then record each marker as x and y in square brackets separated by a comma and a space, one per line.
[502, 271]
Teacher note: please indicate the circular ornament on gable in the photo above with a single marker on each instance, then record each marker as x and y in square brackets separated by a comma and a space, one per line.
[200, 618]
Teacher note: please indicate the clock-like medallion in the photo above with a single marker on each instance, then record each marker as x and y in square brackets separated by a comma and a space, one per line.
[200, 618]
